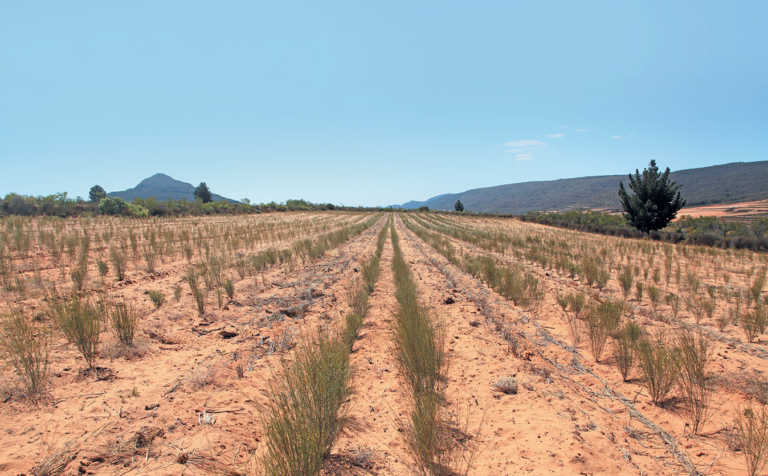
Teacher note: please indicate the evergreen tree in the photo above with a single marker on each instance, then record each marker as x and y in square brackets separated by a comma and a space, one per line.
[202, 192]
[458, 206]
[654, 201]
[97, 193]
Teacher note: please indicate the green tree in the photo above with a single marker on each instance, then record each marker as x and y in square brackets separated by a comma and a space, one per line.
[458, 206]
[97, 193]
[113, 206]
[654, 201]
[203, 193]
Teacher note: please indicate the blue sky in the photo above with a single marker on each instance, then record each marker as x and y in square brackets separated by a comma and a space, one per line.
[373, 102]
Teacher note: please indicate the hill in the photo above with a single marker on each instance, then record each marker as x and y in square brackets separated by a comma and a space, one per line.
[163, 188]
[727, 183]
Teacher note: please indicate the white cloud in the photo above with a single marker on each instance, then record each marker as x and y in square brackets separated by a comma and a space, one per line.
[515, 144]
[615, 137]
[522, 148]
[557, 135]
[581, 130]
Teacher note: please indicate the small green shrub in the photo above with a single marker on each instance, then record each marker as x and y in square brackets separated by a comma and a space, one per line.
[157, 298]
[694, 356]
[303, 409]
[753, 323]
[229, 288]
[751, 434]
[103, 269]
[124, 319]
[197, 293]
[80, 321]
[625, 279]
[358, 299]
[118, 262]
[626, 344]
[26, 348]
[602, 320]
[660, 364]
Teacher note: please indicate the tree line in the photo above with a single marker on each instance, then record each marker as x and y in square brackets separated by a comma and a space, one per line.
[99, 203]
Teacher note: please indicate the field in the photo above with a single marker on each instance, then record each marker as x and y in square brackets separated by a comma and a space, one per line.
[741, 210]
[362, 343]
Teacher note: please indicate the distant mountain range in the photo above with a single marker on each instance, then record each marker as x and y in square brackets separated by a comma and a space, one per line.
[734, 182]
[163, 188]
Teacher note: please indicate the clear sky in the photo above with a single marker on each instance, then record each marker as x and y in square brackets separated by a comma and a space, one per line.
[371, 102]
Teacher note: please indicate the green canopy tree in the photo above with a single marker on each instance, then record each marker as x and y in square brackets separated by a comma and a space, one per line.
[654, 199]
[96, 193]
[458, 206]
[203, 193]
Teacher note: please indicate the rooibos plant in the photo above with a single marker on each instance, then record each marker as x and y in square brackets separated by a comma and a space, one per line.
[660, 364]
[751, 434]
[303, 408]
[157, 298]
[26, 348]
[602, 320]
[118, 262]
[124, 319]
[694, 355]
[626, 344]
[80, 321]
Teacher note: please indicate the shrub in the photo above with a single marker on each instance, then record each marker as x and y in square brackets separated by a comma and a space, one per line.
[177, 293]
[602, 320]
[575, 303]
[118, 206]
[150, 257]
[625, 279]
[751, 433]
[78, 279]
[626, 343]
[354, 323]
[197, 293]
[80, 321]
[303, 408]
[506, 385]
[229, 288]
[103, 269]
[124, 319]
[26, 348]
[157, 298]
[659, 363]
[694, 355]
[753, 323]
[757, 286]
[653, 296]
[112, 206]
[118, 262]
[358, 299]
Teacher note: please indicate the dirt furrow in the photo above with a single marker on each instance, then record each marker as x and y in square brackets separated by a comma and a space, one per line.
[378, 408]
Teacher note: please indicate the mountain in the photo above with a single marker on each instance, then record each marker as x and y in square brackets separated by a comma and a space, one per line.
[163, 188]
[734, 182]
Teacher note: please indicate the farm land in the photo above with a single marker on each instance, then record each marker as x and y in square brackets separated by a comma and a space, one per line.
[449, 344]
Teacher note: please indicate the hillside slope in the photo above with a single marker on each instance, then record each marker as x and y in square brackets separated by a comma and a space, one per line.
[163, 188]
[739, 181]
